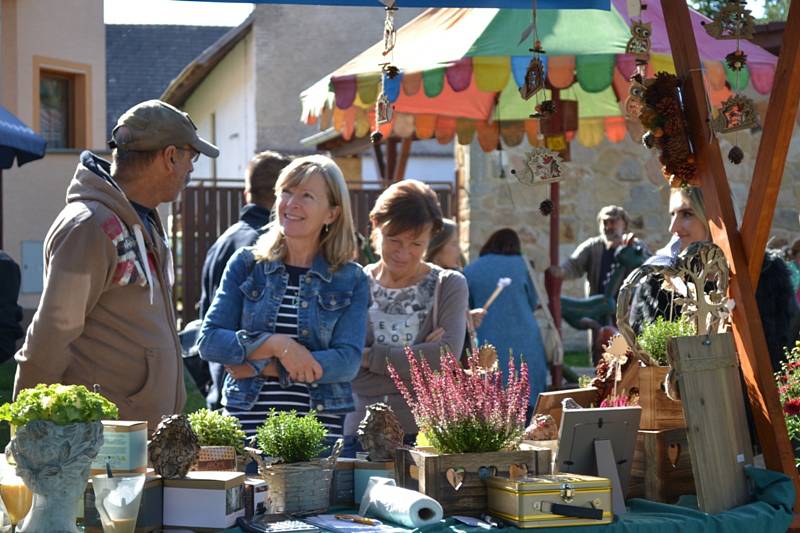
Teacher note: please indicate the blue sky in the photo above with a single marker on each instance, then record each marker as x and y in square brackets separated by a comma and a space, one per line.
[210, 13]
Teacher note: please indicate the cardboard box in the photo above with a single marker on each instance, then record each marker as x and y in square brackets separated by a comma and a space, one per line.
[255, 495]
[124, 446]
[550, 501]
[363, 470]
[151, 508]
[205, 500]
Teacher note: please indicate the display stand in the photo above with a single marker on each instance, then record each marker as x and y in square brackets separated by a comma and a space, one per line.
[607, 467]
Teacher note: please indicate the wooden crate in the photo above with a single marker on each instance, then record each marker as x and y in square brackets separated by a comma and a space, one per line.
[662, 466]
[658, 411]
[427, 472]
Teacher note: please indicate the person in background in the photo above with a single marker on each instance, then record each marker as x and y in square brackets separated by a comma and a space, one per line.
[509, 324]
[290, 315]
[106, 316]
[594, 257]
[793, 262]
[10, 311]
[259, 195]
[413, 303]
[444, 251]
[689, 223]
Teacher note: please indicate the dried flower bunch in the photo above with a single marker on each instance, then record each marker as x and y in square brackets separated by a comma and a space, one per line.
[466, 411]
[788, 380]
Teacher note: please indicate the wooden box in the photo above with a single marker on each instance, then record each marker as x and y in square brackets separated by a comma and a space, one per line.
[662, 466]
[204, 500]
[551, 501]
[124, 447]
[658, 411]
[151, 508]
[435, 474]
[216, 458]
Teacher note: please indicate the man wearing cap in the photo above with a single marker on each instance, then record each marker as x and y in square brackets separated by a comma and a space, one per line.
[106, 316]
[595, 257]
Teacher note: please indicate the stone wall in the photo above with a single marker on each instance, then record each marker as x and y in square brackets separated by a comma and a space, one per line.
[624, 174]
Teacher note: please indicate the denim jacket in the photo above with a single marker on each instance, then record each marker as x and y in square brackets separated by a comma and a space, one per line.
[331, 322]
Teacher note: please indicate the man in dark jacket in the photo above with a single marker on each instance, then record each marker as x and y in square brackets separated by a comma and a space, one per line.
[259, 195]
[10, 311]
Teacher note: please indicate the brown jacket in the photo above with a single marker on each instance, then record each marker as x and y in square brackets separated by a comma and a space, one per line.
[102, 318]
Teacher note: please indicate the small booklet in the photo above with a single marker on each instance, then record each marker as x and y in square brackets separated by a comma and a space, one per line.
[329, 522]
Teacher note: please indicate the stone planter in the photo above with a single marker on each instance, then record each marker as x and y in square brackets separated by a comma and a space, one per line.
[54, 461]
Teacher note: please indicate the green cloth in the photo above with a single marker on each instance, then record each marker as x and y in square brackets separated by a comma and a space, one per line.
[771, 511]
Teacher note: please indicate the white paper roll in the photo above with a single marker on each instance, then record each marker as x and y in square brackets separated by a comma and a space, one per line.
[404, 507]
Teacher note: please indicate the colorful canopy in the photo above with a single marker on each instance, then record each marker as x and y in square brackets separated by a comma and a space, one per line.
[460, 70]
[518, 4]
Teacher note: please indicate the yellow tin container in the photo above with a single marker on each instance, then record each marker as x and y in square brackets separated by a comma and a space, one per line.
[551, 501]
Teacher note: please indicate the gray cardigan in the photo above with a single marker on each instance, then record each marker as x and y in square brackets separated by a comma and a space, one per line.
[452, 307]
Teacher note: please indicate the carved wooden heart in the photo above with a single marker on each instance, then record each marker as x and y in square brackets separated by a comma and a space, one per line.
[455, 476]
[673, 453]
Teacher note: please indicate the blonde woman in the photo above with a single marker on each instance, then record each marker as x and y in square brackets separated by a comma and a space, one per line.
[289, 318]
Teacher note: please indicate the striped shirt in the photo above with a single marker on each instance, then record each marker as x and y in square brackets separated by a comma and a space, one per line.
[295, 397]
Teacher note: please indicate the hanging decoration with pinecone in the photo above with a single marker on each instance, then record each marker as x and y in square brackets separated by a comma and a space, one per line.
[639, 47]
[383, 108]
[734, 21]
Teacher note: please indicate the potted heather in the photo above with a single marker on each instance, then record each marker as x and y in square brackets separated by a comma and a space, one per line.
[58, 433]
[221, 440]
[473, 423]
[299, 482]
[788, 380]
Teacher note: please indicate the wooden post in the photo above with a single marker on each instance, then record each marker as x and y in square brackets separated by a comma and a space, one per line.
[380, 164]
[391, 158]
[405, 151]
[775, 139]
[748, 332]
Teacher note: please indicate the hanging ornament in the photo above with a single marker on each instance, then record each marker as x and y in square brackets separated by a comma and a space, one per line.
[389, 32]
[635, 101]
[735, 155]
[534, 76]
[737, 113]
[639, 44]
[383, 108]
[732, 21]
[736, 60]
[544, 109]
[541, 166]
[546, 207]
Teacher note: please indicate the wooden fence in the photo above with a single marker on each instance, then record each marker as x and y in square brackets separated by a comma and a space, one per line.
[207, 208]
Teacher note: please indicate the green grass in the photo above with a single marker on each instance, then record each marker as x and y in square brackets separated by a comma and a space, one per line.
[194, 400]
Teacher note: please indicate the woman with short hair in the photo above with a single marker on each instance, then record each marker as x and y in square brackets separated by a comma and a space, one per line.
[414, 303]
[509, 324]
[289, 317]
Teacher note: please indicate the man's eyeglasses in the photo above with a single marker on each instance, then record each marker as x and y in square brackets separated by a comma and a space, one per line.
[195, 156]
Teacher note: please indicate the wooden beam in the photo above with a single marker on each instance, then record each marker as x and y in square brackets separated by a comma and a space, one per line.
[391, 158]
[380, 163]
[748, 332]
[402, 163]
[773, 148]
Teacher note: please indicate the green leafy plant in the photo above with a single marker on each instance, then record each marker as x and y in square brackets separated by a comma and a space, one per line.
[655, 336]
[61, 404]
[788, 380]
[291, 437]
[215, 429]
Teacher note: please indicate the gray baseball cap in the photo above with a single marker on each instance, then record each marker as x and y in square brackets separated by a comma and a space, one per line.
[153, 125]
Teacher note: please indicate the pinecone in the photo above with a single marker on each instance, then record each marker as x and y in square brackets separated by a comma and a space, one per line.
[735, 155]
[174, 448]
[380, 433]
[546, 207]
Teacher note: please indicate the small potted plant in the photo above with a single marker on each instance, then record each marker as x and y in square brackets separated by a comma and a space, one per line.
[58, 434]
[788, 380]
[473, 423]
[221, 440]
[299, 482]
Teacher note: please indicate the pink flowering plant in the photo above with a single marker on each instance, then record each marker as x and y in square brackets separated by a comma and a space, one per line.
[466, 411]
[789, 391]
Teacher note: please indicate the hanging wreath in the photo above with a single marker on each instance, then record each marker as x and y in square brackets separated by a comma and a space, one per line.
[662, 116]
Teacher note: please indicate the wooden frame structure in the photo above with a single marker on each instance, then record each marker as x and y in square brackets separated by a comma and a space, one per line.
[744, 249]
